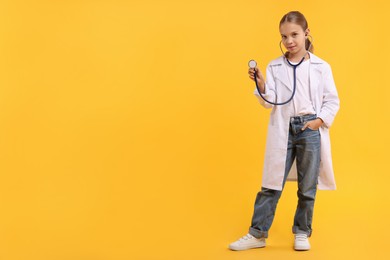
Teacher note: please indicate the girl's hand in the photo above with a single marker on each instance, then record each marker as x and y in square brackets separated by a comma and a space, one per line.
[259, 77]
[313, 124]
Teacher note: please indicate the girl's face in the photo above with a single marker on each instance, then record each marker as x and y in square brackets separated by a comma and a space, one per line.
[293, 38]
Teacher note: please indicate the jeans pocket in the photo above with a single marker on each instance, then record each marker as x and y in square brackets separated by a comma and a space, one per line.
[308, 127]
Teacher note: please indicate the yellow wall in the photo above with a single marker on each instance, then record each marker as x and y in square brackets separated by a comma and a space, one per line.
[129, 129]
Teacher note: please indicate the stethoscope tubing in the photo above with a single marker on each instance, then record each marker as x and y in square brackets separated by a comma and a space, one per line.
[294, 87]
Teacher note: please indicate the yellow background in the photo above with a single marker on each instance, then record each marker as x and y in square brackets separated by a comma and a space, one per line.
[129, 129]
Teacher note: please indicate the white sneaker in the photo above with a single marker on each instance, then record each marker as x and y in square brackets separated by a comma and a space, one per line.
[247, 242]
[301, 242]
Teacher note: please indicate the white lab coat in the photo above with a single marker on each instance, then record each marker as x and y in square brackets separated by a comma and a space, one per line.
[324, 97]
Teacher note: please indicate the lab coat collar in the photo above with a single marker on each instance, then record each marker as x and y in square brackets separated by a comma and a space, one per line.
[313, 60]
[281, 72]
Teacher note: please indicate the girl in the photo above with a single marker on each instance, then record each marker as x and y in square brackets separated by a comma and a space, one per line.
[297, 132]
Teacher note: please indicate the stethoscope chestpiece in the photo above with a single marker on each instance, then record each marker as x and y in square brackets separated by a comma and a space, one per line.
[252, 64]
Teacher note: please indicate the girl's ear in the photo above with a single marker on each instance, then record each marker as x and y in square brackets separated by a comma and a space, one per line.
[307, 32]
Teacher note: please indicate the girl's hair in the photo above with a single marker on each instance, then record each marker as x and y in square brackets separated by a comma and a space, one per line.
[298, 18]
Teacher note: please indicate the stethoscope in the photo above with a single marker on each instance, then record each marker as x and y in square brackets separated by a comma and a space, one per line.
[252, 64]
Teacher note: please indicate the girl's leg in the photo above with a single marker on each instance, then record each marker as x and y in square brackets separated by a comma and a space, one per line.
[308, 163]
[267, 200]
[264, 212]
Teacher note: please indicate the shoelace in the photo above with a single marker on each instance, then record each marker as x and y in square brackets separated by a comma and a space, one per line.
[300, 237]
[246, 237]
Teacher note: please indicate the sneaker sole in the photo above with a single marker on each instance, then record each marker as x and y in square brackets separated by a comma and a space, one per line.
[302, 248]
[245, 248]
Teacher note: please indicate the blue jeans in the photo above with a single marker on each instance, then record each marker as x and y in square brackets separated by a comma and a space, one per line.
[304, 146]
